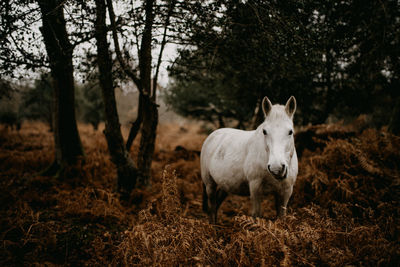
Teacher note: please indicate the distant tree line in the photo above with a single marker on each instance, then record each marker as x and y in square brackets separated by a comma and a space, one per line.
[35, 102]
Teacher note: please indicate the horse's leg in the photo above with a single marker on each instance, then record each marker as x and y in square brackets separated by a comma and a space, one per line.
[278, 205]
[211, 189]
[281, 201]
[256, 197]
[205, 199]
[221, 195]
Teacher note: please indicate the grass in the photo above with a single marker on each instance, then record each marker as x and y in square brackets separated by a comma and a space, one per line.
[344, 209]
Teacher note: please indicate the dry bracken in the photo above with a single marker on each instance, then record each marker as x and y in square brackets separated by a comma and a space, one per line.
[344, 211]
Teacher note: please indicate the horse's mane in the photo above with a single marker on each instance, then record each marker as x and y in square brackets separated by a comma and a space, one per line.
[277, 112]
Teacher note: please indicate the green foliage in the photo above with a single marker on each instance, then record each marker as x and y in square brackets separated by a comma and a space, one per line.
[37, 101]
[90, 103]
[337, 58]
[209, 99]
[249, 50]
[9, 114]
[5, 89]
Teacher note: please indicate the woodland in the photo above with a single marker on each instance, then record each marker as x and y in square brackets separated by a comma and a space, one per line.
[89, 177]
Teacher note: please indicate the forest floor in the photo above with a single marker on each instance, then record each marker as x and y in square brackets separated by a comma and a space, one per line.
[344, 210]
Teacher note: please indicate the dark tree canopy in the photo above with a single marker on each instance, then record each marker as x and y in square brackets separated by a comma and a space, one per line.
[337, 58]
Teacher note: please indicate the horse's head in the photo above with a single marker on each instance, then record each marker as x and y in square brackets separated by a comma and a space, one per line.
[277, 131]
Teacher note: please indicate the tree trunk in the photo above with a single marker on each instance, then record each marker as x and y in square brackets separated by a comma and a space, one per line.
[221, 123]
[59, 50]
[147, 140]
[329, 103]
[147, 110]
[136, 124]
[145, 49]
[126, 168]
[49, 116]
[150, 111]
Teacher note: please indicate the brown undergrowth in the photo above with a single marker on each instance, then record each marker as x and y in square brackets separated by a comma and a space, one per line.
[344, 209]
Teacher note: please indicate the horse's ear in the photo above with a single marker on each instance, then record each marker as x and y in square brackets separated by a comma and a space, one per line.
[266, 106]
[290, 106]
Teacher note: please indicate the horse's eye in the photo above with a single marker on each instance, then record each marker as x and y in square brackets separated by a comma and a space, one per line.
[264, 132]
[290, 132]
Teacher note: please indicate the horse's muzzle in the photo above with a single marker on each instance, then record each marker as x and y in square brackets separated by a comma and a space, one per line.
[280, 173]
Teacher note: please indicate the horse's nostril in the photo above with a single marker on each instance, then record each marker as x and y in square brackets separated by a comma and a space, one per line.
[283, 167]
[269, 168]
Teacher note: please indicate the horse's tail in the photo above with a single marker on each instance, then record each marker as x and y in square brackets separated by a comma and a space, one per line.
[205, 199]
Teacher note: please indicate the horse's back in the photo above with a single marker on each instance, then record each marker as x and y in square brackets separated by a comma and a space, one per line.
[223, 140]
[223, 153]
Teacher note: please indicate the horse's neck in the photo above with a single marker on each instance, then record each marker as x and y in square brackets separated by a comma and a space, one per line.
[255, 145]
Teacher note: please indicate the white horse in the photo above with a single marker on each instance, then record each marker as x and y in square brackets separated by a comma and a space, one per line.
[251, 162]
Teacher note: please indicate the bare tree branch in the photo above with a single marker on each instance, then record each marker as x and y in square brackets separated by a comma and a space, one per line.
[163, 42]
[121, 60]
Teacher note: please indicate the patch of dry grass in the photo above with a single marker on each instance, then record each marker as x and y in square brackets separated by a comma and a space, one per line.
[344, 211]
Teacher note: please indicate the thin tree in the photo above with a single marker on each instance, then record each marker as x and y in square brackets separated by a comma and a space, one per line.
[59, 51]
[147, 118]
[126, 168]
